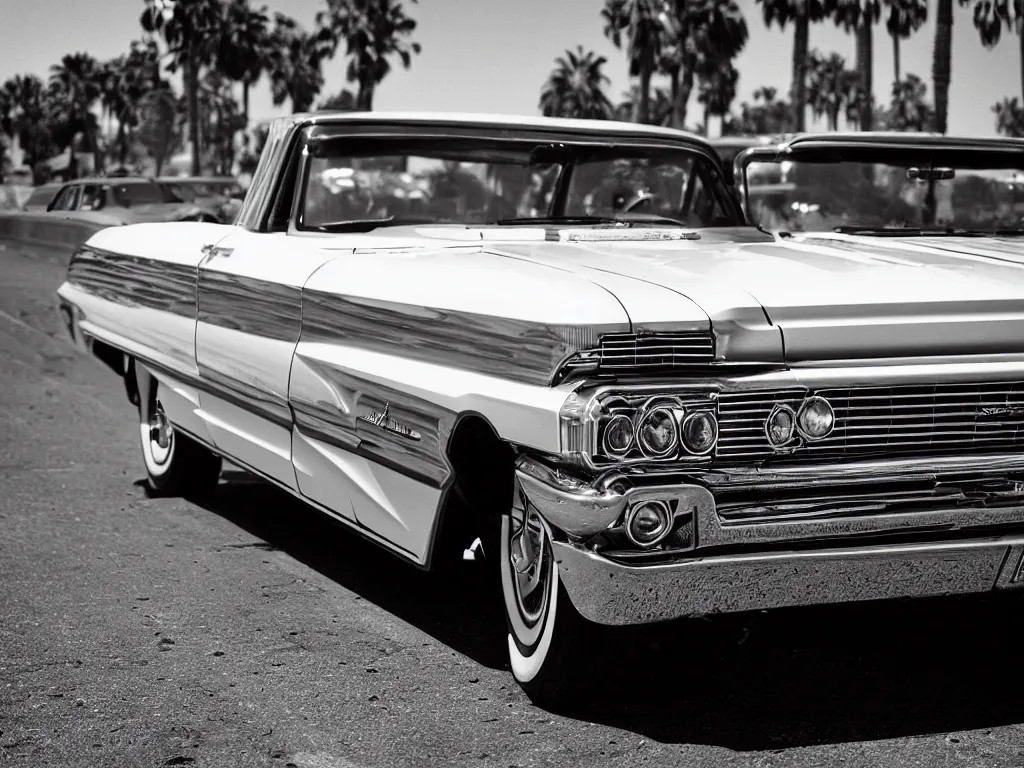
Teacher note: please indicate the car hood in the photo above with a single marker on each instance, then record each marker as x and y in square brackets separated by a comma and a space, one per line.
[824, 297]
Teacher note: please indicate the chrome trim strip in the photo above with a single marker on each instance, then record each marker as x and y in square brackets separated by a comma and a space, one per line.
[809, 475]
[516, 350]
[134, 282]
[614, 594]
[583, 508]
[329, 405]
[257, 400]
[262, 308]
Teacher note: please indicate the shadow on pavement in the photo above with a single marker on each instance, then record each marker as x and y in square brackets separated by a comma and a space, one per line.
[788, 678]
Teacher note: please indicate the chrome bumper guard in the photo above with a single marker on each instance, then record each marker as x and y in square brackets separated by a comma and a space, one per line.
[696, 582]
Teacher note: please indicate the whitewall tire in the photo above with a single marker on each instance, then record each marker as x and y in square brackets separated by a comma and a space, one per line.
[176, 465]
[543, 625]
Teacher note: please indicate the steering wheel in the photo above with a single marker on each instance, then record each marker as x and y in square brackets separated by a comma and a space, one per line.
[640, 199]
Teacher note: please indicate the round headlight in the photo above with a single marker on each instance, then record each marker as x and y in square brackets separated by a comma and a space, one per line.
[648, 523]
[816, 418]
[780, 426]
[657, 432]
[700, 431]
[618, 435]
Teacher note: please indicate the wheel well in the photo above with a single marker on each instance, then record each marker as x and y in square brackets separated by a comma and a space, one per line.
[131, 384]
[480, 490]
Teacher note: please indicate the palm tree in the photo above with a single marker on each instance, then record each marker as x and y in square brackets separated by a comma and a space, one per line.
[345, 101]
[942, 59]
[909, 110]
[23, 104]
[853, 97]
[374, 31]
[716, 91]
[989, 18]
[859, 17]
[706, 35]
[1009, 117]
[158, 128]
[644, 26]
[766, 115]
[801, 13]
[243, 49]
[827, 87]
[75, 86]
[904, 18]
[191, 29]
[660, 105]
[575, 87]
[296, 72]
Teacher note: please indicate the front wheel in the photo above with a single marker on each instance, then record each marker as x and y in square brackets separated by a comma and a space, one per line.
[176, 465]
[544, 629]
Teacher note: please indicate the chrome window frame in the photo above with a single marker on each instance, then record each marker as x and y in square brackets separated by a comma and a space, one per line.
[313, 132]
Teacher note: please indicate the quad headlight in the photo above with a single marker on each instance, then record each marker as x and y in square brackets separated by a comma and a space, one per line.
[657, 432]
[658, 429]
[619, 434]
[813, 419]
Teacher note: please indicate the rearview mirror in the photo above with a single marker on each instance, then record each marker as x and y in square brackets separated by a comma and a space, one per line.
[931, 174]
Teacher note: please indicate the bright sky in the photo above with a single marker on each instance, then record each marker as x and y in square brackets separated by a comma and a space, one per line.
[494, 55]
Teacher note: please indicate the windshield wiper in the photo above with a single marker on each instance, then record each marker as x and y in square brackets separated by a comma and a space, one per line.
[922, 232]
[366, 225]
[558, 220]
[908, 231]
[626, 220]
[353, 225]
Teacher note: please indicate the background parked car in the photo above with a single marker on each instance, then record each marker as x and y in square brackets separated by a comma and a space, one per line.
[58, 218]
[223, 193]
[40, 197]
[131, 200]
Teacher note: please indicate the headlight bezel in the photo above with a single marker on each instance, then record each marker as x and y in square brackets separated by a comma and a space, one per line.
[587, 412]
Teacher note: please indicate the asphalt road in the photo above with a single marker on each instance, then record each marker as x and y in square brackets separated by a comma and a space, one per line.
[137, 631]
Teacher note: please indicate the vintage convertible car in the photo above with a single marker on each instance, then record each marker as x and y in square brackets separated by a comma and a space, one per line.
[557, 345]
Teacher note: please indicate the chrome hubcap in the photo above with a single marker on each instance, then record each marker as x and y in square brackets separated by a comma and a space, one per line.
[161, 434]
[530, 556]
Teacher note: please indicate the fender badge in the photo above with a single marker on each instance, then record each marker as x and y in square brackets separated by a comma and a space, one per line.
[382, 420]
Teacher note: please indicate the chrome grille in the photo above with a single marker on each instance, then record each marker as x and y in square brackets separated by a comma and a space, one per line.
[907, 420]
[624, 351]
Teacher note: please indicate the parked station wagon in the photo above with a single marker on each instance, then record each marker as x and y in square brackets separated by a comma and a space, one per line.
[558, 346]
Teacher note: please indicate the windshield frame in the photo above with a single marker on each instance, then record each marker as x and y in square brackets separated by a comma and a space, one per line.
[317, 139]
[908, 150]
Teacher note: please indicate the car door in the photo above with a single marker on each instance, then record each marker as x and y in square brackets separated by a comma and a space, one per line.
[249, 318]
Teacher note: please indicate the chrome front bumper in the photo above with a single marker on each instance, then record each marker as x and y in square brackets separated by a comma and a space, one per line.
[741, 563]
[609, 593]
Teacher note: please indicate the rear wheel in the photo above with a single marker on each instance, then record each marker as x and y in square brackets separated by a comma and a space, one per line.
[176, 465]
[545, 632]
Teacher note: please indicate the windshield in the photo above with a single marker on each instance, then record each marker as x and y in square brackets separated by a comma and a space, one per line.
[933, 191]
[138, 193]
[191, 190]
[476, 181]
[41, 197]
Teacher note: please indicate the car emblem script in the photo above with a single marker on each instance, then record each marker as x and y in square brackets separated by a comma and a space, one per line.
[384, 421]
[1002, 411]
